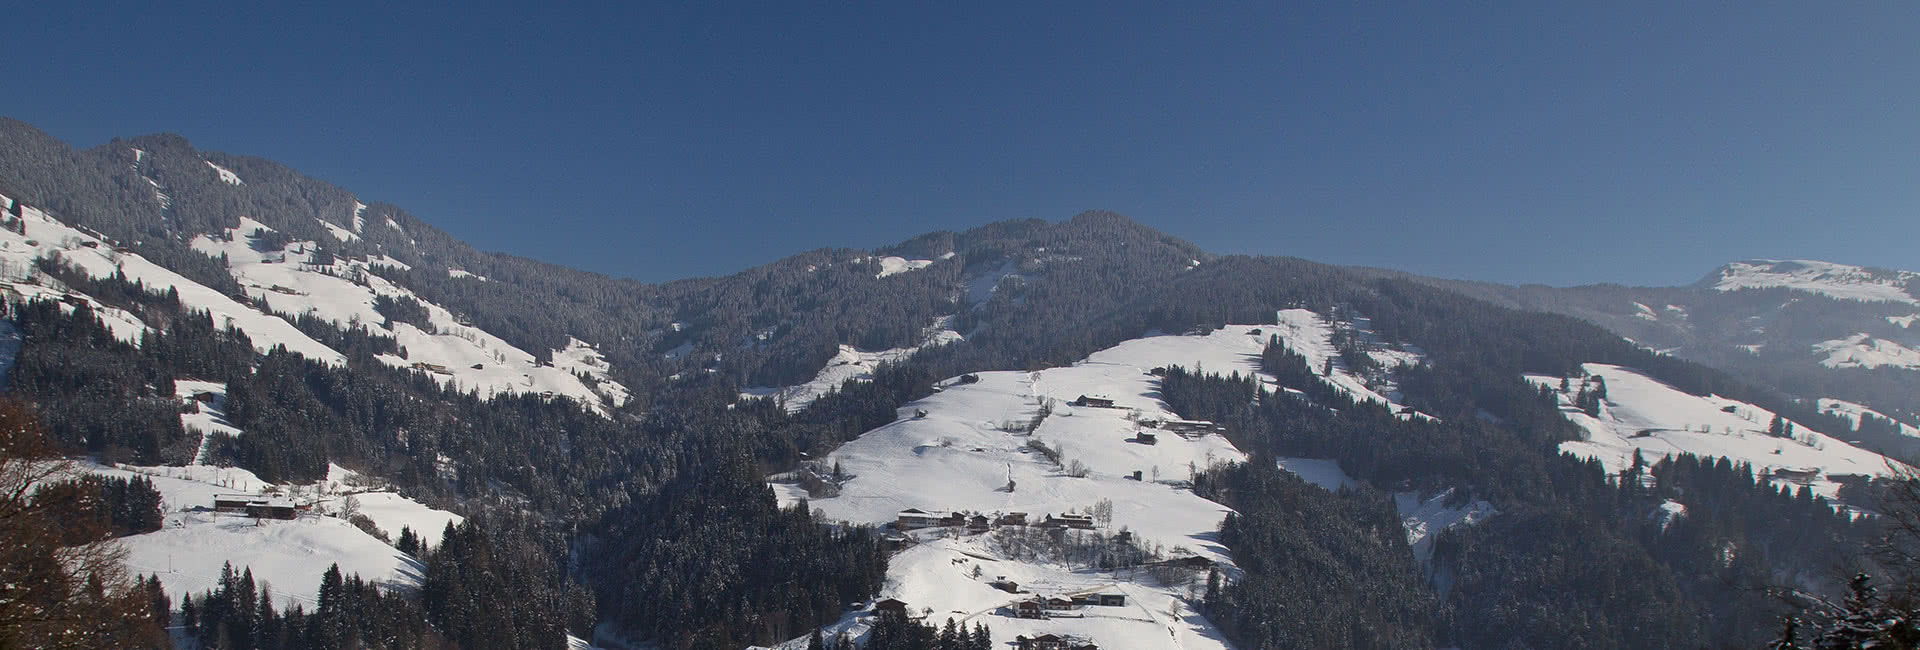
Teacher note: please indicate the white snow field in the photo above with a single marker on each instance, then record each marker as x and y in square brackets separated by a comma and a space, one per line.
[466, 357]
[194, 542]
[1865, 351]
[890, 265]
[1644, 414]
[1852, 412]
[1841, 281]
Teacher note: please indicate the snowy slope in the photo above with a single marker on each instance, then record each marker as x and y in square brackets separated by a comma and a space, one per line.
[1642, 413]
[953, 451]
[890, 265]
[343, 292]
[226, 176]
[339, 233]
[1826, 278]
[98, 258]
[34, 287]
[391, 512]
[1311, 335]
[937, 575]
[1852, 412]
[1865, 351]
[205, 417]
[847, 363]
[980, 287]
[189, 549]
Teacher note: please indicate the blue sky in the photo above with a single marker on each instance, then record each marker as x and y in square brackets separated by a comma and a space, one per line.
[1641, 143]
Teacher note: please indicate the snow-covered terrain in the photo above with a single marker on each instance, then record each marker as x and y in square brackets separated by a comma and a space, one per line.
[35, 287]
[1643, 414]
[208, 403]
[1426, 517]
[339, 233]
[98, 258]
[194, 542]
[1865, 351]
[1825, 278]
[959, 448]
[847, 363]
[1852, 413]
[1310, 335]
[890, 265]
[981, 286]
[452, 352]
[226, 176]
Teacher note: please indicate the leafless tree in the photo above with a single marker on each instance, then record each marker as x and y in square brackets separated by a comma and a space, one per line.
[63, 579]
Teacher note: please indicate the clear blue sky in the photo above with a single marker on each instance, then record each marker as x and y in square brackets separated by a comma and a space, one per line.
[1642, 143]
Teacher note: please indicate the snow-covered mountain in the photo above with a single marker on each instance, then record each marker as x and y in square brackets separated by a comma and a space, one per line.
[1842, 281]
[1027, 384]
[1806, 328]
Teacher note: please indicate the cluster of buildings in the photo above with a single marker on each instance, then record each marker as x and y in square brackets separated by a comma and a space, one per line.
[1049, 606]
[915, 518]
[1185, 428]
[259, 507]
[1054, 642]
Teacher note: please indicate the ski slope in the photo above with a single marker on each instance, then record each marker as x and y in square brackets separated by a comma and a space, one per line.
[1643, 414]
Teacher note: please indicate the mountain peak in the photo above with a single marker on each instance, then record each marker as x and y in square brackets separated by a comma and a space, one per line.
[1841, 281]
